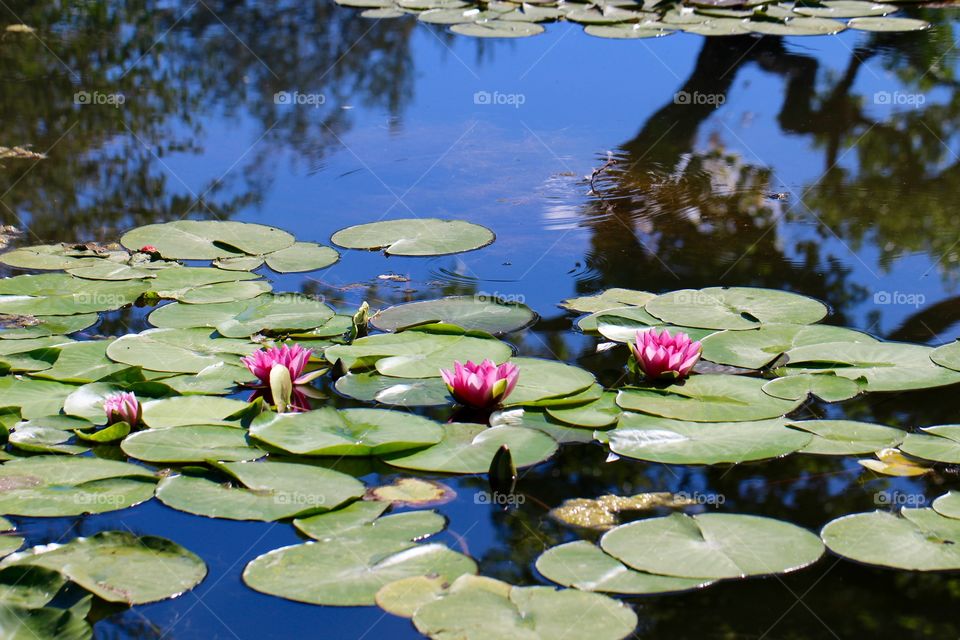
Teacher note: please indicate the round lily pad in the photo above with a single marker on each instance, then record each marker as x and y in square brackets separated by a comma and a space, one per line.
[120, 566]
[757, 348]
[265, 491]
[419, 236]
[190, 410]
[28, 586]
[888, 24]
[207, 239]
[712, 545]
[45, 486]
[708, 398]
[677, 442]
[735, 307]
[497, 29]
[469, 448]
[349, 432]
[412, 492]
[400, 392]
[302, 256]
[481, 313]
[914, 539]
[948, 504]
[847, 437]
[625, 31]
[543, 379]
[826, 386]
[947, 355]
[48, 257]
[585, 566]
[177, 350]
[940, 443]
[35, 398]
[190, 444]
[594, 415]
[846, 9]
[609, 299]
[24, 327]
[795, 27]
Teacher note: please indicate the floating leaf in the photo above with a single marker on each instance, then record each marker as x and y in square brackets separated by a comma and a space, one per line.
[207, 239]
[177, 350]
[947, 355]
[916, 539]
[948, 504]
[754, 349]
[481, 313]
[603, 513]
[537, 419]
[845, 9]
[543, 379]
[190, 444]
[496, 29]
[826, 386]
[593, 415]
[190, 410]
[82, 362]
[795, 27]
[940, 443]
[712, 545]
[584, 566]
[23, 623]
[350, 432]
[470, 448]
[847, 437]
[891, 462]
[625, 31]
[24, 327]
[888, 24]
[735, 307]
[609, 299]
[302, 256]
[412, 492]
[119, 566]
[401, 392]
[420, 236]
[27, 586]
[35, 398]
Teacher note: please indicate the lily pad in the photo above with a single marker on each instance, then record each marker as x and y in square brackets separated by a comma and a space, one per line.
[412, 492]
[541, 380]
[190, 444]
[676, 442]
[349, 432]
[947, 355]
[916, 539]
[826, 386]
[888, 24]
[708, 398]
[713, 545]
[207, 239]
[736, 307]
[940, 443]
[27, 586]
[82, 362]
[625, 31]
[584, 566]
[795, 27]
[266, 491]
[469, 448]
[35, 398]
[847, 437]
[609, 299]
[24, 623]
[754, 349]
[593, 415]
[480, 313]
[190, 410]
[420, 236]
[948, 505]
[25, 327]
[66, 486]
[119, 566]
[177, 350]
[400, 392]
[891, 462]
[302, 256]
[496, 29]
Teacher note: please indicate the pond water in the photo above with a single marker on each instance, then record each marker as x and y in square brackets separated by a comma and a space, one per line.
[825, 166]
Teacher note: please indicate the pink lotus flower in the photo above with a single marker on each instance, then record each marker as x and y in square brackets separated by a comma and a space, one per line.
[122, 407]
[660, 355]
[481, 386]
[293, 357]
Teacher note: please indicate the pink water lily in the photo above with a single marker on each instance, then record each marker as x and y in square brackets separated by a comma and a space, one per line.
[122, 407]
[293, 357]
[660, 355]
[481, 386]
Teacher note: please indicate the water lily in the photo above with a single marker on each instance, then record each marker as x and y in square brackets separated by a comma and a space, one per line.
[481, 386]
[293, 357]
[660, 355]
[122, 407]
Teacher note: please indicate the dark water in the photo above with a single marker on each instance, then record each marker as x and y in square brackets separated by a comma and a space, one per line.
[826, 166]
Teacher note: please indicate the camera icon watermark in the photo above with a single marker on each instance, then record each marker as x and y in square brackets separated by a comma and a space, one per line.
[515, 100]
[297, 99]
[707, 499]
[914, 300]
[97, 98]
[899, 98]
[698, 98]
[499, 499]
[898, 499]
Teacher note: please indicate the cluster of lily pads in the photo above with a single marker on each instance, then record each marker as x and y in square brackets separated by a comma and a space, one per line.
[100, 423]
[631, 19]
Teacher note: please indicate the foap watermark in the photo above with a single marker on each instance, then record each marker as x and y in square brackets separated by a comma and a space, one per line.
[500, 298]
[297, 99]
[914, 300]
[100, 499]
[98, 98]
[898, 499]
[300, 499]
[499, 499]
[899, 98]
[696, 497]
[695, 97]
[496, 98]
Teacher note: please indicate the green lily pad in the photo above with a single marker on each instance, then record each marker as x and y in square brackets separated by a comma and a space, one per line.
[177, 350]
[224, 292]
[609, 299]
[266, 491]
[207, 239]
[35, 398]
[27, 586]
[736, 307]
[543, 379]
[82, 362]
[618, 328]
[496, 29]
[302, 256]
[537, 419]
[796, 27]
[25, 327]
[847, 437]
[469, 448]
[412, 492]
[190, 410]
[754, 349]
[826, 386]
[190, 444]
[50, 257]
[708, 398]
[399, 392]
[403, 597]
[480, 313]
[880, 366]
[948, 504]
[417, 354]
[108, 270]
[355, 554]
[419, 236]
[68, 486]
[947, 355]
[625, 31]
[593, 415]
[529, 613]
[916, 539]
[350, 432]
[636, 317]
[717, 26]
[40, 439]
[676, 442]
[712, 545]
[25, 623]
[119, 566]
[276, 313]
[239, 263]
[940, 443]
[888, 24]
[584, 566]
